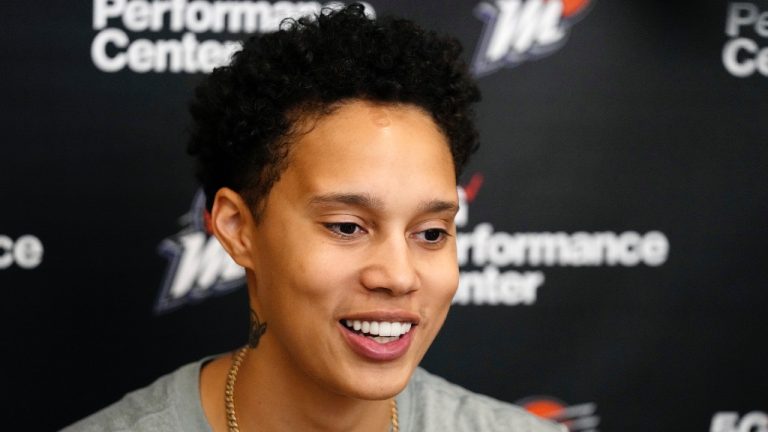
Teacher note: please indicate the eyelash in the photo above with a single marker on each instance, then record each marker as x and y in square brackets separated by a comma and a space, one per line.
[335, 229]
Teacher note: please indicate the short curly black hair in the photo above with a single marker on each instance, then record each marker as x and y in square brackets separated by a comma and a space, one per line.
[243, 113]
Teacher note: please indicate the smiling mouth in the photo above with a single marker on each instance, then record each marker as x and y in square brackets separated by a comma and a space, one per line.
[380, 331]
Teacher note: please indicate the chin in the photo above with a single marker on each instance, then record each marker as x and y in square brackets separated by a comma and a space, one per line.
[383, 391]
[377, 384]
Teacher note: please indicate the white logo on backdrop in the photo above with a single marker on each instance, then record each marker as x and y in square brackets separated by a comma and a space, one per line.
[484, 253]
[113, 49]
[26, 252]
[742, 55]
[728, 421]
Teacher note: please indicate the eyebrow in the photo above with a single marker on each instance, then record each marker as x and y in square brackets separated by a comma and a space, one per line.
[439, 206]
[370, 202]
[354, 199]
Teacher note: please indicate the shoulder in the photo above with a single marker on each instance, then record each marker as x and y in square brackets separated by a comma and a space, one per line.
[434, 404]
[161, 406]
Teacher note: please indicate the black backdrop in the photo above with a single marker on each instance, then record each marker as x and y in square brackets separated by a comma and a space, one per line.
[623, 153]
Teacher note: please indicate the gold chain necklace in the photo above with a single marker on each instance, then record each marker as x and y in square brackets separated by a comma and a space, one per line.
[229, 395]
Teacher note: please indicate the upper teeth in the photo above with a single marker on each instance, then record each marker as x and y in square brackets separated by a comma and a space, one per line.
[379, 328]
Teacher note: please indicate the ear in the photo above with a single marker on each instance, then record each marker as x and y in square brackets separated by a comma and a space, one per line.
[232, 224]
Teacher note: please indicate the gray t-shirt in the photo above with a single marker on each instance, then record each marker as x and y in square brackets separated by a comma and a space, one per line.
[428, 404]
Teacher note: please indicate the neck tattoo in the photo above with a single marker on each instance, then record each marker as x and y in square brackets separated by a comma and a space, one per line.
[257, 330]
[229, 395]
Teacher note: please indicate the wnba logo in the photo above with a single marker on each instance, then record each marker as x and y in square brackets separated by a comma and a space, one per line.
[516, 31]
[198, 266]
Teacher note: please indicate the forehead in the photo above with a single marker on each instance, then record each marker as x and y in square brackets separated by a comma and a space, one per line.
[384, 150]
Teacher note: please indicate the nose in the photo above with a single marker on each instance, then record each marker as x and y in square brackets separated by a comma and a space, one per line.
[391, 267]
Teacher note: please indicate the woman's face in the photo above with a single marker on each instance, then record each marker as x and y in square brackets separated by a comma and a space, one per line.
[354, 258]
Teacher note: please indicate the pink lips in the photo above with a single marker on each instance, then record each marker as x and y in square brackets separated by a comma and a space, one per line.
[372, 350]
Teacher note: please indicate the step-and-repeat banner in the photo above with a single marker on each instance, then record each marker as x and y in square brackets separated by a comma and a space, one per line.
[612, 238]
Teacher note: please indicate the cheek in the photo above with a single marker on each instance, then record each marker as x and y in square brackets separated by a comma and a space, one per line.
[327, 268]
[441, 279]
[311, 275]
[293, 257]
[439, 285]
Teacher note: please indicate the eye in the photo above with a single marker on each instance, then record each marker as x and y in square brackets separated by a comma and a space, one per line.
[433, 235]
[344, 229]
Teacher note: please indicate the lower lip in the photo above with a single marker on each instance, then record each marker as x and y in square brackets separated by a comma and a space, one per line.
[372, 350]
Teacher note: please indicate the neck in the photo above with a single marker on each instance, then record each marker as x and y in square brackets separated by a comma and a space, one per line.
[271, 394]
